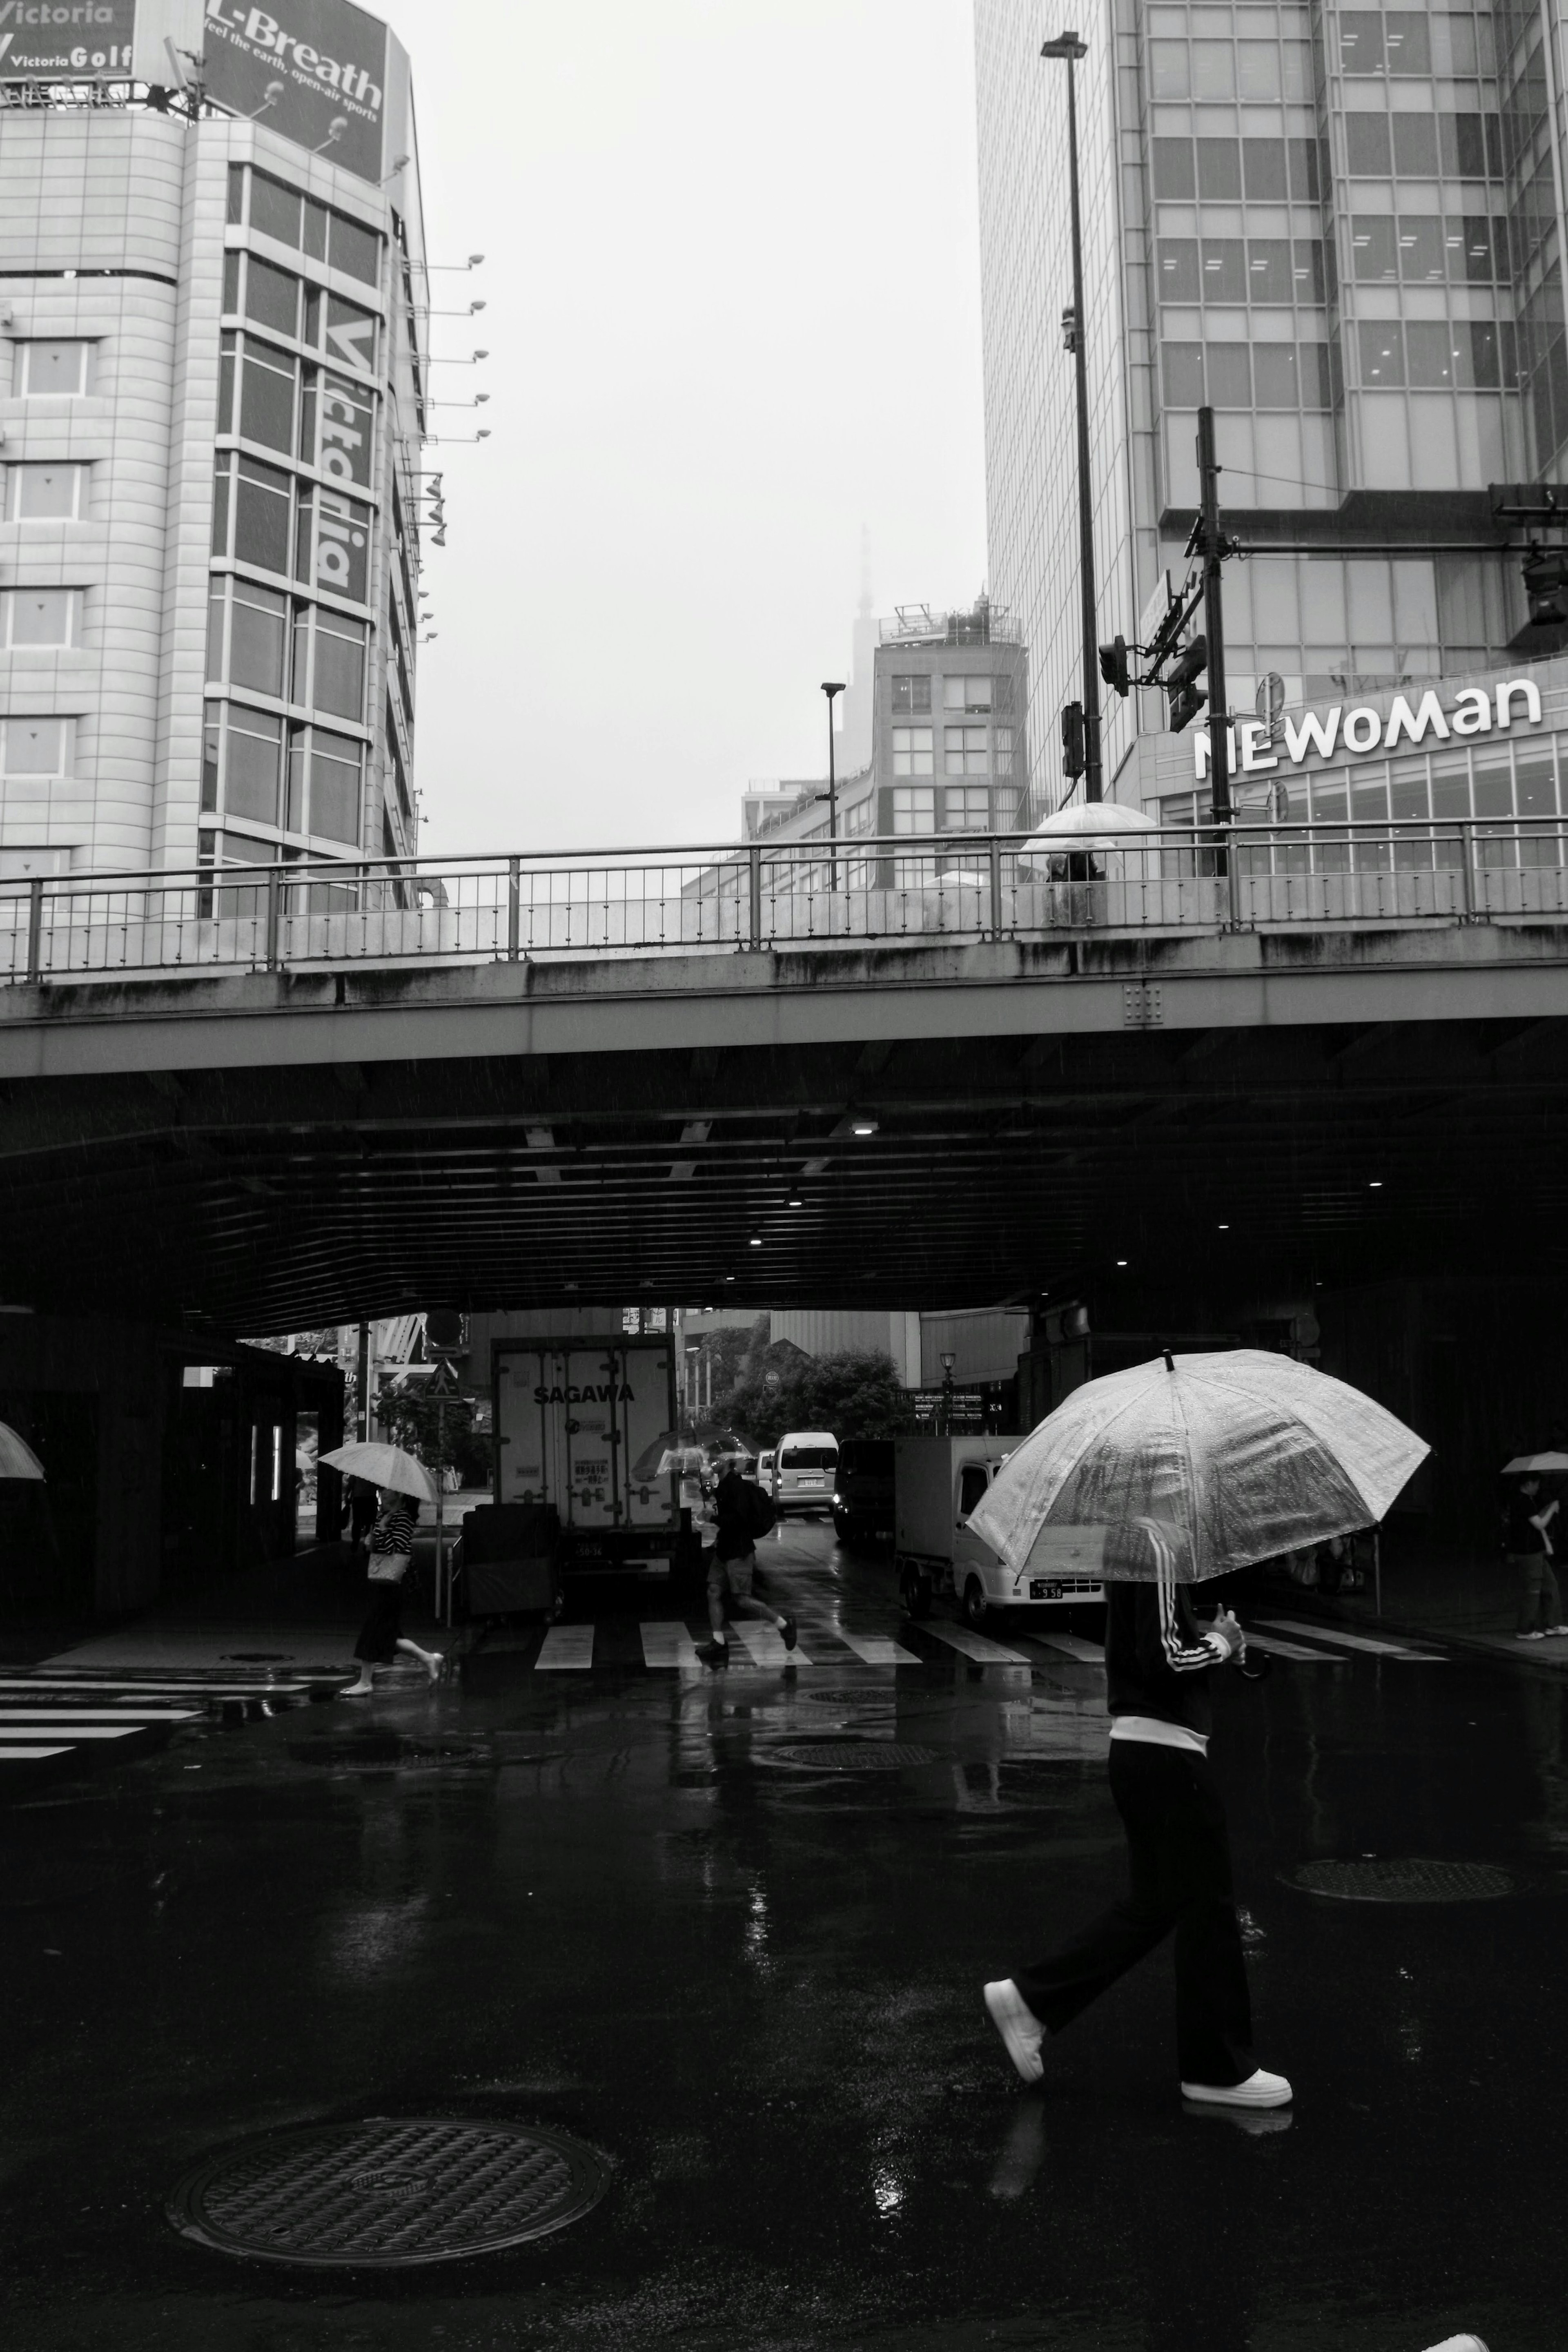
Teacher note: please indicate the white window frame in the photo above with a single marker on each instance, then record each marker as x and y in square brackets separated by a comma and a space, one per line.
[912, 745]
[962, 754]
[17, 473]
[10, 641]
[27, 390]
[1001, 750]
[965, 693]
[907, 817]
[965, 820]
[36, 775]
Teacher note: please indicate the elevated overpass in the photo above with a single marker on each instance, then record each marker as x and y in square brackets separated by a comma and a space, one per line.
[926, 1072]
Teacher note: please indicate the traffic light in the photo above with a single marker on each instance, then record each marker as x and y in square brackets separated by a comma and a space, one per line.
[1546, 585]
[1114, 665]
[1072, 761]
[1187, 697]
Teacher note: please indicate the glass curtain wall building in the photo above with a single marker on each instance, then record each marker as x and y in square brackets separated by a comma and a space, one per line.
[1343, 229]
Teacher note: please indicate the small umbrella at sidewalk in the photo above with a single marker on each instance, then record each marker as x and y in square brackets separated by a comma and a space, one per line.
[18, 1459]
[383, 1465]
[1523, 1465]
[1207, 1462]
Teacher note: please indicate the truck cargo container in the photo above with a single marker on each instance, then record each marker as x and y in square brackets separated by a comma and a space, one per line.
[937, 1483]
[581, 1424]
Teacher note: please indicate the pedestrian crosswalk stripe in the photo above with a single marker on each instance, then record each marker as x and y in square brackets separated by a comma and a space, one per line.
[669, 1645]
[129, 1714]
[1090, 1654]
[978, 1647]
[1276, 1648]
[30, 1755]
[766, 1644]
[76, 1731]
[1341, 1640]
[879, 1650]
[567, 1647]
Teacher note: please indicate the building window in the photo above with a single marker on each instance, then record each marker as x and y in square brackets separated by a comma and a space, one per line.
[45, 493]
[912, 694]
[912, 752]
[967, 808]
[1002, 750]
[966, 693]
[58, 368]
[1227, 369]
[275, 299]
[914, 808]
[40, 617]
[964, 751]
[337, 674]
[1431, 355]
[324, 773]
[35, 747]
[252, 762]
[289, 217]
[259, 637]
[262, 516]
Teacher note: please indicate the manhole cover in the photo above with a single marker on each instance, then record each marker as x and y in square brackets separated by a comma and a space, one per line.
[1373, 1880]
[387, 2194]
[856, 1756]
[858, 1692]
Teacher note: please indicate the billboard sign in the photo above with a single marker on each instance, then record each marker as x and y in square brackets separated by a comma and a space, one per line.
[312, 71]
[66, 40]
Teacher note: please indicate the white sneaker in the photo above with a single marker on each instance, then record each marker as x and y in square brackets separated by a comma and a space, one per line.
[1529, 1637]
[1018, 2027]
[1554, 1629]
[1260, 2090]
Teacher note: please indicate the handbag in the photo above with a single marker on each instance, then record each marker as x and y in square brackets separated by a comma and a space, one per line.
[388, 1567]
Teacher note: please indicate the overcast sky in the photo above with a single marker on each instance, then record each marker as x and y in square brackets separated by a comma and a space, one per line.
[732, 311]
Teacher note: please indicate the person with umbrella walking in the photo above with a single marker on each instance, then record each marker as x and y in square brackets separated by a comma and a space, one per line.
[1182, 1470]
[404, 1483]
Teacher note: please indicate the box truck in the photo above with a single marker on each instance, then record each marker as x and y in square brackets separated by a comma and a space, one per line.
[581, 1425]
[937, 1483]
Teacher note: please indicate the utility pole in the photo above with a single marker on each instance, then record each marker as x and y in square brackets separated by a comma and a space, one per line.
[362, 1383]
[1211, 548]
[829, 687]
[1068, 48]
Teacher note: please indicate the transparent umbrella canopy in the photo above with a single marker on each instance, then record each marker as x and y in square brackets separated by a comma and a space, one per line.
[1098, 824]
[387, 1466]
[1209, 1462]
[18, 1459]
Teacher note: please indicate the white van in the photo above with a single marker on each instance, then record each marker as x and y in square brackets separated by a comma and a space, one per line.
[805, 1465]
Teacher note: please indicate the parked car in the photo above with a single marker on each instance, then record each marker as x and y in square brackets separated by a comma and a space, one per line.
[804, 1466]
[939, 1482]
[863, 1493]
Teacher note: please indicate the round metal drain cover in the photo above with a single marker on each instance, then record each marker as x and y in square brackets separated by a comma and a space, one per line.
[1375, 1880]
[387, 2194]
[856, 1756]
[859, 1693]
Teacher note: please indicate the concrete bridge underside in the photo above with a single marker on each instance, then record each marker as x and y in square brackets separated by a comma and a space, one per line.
[276, 1150]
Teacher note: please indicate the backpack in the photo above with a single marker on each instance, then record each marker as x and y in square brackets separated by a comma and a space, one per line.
[759, 1513]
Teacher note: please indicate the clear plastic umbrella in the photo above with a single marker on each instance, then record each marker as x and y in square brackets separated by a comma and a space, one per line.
[18, 1459]
[1207, 1462]
[387, 1466]
[1083, 826]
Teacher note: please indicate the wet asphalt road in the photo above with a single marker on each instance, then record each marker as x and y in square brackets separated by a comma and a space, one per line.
[599, 1901]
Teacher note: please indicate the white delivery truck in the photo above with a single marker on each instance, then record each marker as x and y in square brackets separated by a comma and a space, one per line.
[581, 1424]
[937, 1483]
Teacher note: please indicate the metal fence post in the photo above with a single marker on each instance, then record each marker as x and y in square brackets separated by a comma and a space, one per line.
[1466, 874]
[754, 893]
[274, 914]
[36, 927]
[995, 866]
[1231, 854]
[514, 907]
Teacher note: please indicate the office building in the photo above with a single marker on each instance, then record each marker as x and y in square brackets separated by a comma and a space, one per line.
[213, 306]
[948, 751]
[1344, 230]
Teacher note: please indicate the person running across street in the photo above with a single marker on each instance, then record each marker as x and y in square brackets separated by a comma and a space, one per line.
[382, 1635]
[1157, 1658]
[743, 1513]
[1528, 1542]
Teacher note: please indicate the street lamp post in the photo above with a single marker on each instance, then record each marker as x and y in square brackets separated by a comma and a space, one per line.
[829, 687]
[1069, 46]
[947, 1363]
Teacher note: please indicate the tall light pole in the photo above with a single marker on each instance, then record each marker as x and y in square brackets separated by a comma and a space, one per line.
[1069, 45]
[829, 687]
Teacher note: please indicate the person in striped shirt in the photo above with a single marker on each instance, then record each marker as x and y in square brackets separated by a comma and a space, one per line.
[1158, 1659]
[382, 1635]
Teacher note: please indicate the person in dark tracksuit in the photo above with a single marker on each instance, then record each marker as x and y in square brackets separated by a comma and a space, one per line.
[1157, 1661]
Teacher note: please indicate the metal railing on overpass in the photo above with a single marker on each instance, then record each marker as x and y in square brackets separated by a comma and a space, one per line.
[791, 895]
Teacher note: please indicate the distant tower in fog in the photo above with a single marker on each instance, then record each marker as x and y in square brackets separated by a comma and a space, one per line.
[854, 737]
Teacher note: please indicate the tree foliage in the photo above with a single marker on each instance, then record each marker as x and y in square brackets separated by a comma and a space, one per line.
[855, 1394]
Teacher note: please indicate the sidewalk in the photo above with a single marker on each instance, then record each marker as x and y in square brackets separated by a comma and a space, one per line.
[1467, 1601]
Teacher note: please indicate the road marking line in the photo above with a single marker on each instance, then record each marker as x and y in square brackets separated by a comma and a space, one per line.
[25, 1755]
[126, 1714]
[1091, 1653]
[1276, 1648]
[766, 1644]
[77, 1731]
[566, 1647]
[879, 1650]
[669, 1645]
[978, 1647]
[1353, 1641]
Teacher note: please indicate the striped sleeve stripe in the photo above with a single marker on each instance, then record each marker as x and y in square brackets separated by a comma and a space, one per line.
[1183, 1656]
